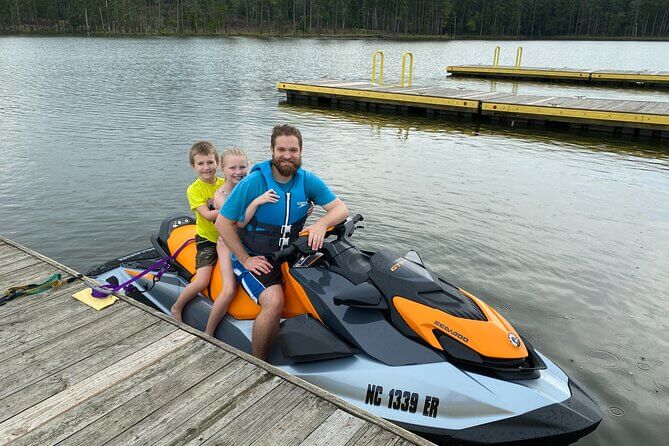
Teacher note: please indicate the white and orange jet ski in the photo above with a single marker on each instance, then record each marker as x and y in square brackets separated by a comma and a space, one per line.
[381, 331]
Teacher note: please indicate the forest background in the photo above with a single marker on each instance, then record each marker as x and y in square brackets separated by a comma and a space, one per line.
[534, 19]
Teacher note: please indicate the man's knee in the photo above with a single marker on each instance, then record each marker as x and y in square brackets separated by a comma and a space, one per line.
[272, 299]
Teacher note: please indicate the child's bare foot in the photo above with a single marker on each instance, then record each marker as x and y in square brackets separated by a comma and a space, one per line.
[176, 313]
[209, 332]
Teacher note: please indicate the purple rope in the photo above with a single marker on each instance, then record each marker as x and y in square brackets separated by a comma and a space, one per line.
[107, 289]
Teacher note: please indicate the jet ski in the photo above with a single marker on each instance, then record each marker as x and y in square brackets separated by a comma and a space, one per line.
[381, 331]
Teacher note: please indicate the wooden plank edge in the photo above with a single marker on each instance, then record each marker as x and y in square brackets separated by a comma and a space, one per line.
[406, 99]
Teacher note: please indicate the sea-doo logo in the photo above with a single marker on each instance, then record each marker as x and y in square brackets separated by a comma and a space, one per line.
[514, 339]
[453, 333]
[397, 265]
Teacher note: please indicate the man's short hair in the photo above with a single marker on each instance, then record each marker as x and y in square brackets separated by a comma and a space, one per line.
[286, 130]
[201, 148]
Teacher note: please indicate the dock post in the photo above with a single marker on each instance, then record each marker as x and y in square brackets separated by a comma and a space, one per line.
[374, 58]
[495, 57]
[406, 54]
[519, 56]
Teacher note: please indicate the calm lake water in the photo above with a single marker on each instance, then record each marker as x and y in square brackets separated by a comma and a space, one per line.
[567, 235]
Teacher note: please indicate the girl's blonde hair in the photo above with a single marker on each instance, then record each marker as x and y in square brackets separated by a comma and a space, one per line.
[233, 151]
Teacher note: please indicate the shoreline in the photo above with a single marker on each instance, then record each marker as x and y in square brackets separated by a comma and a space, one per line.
[338, 36]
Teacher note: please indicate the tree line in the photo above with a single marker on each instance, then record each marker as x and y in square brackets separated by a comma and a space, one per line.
[449, 18]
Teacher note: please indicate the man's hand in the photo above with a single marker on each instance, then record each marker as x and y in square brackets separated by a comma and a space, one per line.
[316, 235]
[257, 265]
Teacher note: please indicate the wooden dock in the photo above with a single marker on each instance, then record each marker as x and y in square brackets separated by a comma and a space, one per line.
[616, 116]
[635, 78]
[128, 374]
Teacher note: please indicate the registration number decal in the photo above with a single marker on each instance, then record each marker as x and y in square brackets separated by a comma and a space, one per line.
[402, 400]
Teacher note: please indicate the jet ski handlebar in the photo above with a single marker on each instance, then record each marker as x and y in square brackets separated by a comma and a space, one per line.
[343, 230]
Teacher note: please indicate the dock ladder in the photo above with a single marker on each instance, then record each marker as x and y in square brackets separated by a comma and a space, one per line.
[406, 79]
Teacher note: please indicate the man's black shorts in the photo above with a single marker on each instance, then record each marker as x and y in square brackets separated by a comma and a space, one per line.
[255, 284]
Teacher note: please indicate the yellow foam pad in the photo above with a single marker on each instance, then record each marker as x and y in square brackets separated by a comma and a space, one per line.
[86, 297]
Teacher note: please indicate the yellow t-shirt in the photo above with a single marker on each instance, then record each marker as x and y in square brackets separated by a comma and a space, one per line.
[200, 193]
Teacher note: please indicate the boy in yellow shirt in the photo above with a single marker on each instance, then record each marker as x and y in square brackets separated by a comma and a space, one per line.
[204, 161]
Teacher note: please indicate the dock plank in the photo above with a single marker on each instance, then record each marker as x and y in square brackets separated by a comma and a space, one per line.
[383, 439]
[49, 385]
[97, 335]
[363, 436]
[33, 273]
[298, 424]
[14, 264]
[197, 421]
[128, 401]
[31, 322]
[259, 416]
[118, 423]
[337, 429]
[7, 254]
[50, 408]
[190, 424]
[30, 306]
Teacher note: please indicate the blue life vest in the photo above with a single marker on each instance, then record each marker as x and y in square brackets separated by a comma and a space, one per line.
[275, 225]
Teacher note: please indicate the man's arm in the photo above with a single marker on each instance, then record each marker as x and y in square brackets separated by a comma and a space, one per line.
[335, 212]
[227, 229]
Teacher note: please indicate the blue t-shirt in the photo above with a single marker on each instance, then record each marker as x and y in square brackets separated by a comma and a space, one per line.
[253, 186]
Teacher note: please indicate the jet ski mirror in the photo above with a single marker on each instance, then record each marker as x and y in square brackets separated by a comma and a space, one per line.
[414, 257]
[363, 295]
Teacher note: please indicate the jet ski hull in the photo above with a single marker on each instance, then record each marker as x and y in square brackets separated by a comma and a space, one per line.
[438, 400]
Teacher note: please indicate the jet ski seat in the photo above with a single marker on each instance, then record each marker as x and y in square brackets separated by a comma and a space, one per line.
[175, 231]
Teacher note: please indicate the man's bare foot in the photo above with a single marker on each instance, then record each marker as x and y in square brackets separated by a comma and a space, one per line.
[176, 313]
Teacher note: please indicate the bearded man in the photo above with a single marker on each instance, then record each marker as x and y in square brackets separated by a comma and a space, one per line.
[274, 225]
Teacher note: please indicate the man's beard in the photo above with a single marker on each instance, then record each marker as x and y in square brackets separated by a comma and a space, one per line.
[286, 169]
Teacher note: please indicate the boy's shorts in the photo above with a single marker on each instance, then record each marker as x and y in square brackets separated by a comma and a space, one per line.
[254, 284]
[205, 254]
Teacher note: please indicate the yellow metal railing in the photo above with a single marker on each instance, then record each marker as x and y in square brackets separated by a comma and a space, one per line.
[378, 54]
[519, 56]
[495, 57]
[405, 55]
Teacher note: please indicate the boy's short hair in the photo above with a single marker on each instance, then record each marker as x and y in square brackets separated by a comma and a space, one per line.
[201, 148]
[286, 130]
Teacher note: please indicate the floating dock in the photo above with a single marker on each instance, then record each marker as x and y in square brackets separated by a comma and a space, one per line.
[615, 116]
[636, 78]
[128, 374]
